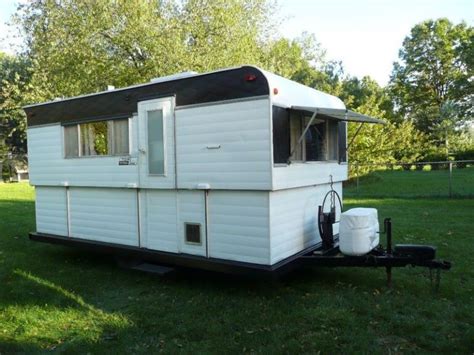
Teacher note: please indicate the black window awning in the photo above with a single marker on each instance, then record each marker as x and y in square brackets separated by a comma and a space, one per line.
[339, 114]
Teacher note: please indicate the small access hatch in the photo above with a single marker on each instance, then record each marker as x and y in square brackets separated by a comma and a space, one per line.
[193, 233]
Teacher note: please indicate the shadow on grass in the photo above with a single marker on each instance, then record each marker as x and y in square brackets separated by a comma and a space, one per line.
[49, 315]
[39, 308]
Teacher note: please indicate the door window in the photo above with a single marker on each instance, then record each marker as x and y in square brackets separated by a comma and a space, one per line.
[156, 143]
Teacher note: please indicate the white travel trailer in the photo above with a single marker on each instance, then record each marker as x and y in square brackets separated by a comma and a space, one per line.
[222, 170]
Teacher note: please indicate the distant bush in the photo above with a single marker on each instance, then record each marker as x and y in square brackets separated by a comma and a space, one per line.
[5, 170]
[464, 155]
[436, 156]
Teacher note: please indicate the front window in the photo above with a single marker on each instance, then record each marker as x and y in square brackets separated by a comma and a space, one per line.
[318, 143]
[97, 138]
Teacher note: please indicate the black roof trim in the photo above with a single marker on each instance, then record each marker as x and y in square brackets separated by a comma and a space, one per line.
[215, 86]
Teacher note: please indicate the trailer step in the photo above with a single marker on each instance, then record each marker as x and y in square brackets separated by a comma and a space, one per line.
[153, 268]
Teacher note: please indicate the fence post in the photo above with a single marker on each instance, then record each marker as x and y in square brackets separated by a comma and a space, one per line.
[357, 177]
[450, 179]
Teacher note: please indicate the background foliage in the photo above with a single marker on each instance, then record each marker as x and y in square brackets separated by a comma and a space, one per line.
[74, 47]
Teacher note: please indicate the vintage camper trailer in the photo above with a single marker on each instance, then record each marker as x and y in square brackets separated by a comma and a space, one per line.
[223, 170]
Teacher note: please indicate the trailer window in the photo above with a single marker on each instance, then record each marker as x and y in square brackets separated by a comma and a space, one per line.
[156, 146]
[97, 138]
[94, 138]
[281, 138]
[321, 141]
[71, 141]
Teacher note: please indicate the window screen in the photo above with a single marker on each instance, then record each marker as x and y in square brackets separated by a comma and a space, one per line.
[156, 146]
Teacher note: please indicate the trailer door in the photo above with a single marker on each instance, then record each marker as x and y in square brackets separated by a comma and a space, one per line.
[156, 175]
[156, 144]
[170, 220]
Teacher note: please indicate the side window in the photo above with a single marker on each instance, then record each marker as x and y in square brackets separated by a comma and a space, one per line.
[315, 147]
[319, 143]
[281, 138]
[324, 140]
[342, 141]
[296, 128]
[97, 138]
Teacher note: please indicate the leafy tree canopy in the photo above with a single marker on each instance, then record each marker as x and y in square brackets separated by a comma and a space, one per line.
[432, 84]
[82, 46]
[14, 76]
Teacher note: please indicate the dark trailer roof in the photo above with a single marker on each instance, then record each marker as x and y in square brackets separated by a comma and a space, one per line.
[227, 84]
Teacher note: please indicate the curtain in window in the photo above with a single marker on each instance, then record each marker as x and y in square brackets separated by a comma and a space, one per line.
[120, 137]
[332, 140]
[295, 133]
[94, 138]
[71, 143]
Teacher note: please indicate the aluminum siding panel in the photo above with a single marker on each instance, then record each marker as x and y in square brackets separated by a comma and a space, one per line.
[105, 215]
[307, 174]
[239, 226]
[158, 218]
[293, 219]
[241, 129]
[51, 210]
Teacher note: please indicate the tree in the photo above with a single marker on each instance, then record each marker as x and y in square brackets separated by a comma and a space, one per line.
[80, 46]
[396, 141]
[14, 78]
[435, 72]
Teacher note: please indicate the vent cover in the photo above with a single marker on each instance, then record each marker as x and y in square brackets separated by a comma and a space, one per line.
[177, 76]
[192, 233]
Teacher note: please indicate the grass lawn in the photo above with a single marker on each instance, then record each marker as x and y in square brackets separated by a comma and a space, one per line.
[56, 299]
[414, 184]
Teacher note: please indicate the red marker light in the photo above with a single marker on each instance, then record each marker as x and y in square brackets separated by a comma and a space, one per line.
[250, 77]
[275, 91]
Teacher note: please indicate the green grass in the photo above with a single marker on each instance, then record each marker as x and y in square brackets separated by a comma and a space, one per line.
[433, 183]
[57, 299]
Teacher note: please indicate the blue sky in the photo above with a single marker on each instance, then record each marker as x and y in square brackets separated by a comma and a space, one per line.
[367, 34]
[364, 34]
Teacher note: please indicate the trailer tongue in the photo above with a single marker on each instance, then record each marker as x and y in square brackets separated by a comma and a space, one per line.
[357, 243]
[401, 255]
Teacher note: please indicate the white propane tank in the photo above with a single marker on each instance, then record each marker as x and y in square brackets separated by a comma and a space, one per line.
[358, 231]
